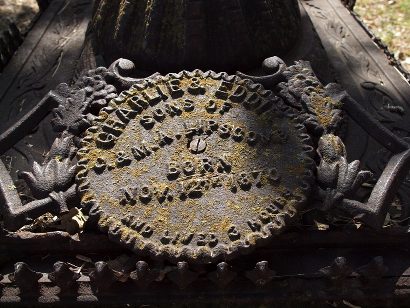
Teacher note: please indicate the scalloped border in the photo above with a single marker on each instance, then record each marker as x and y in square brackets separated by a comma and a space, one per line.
[131, 239]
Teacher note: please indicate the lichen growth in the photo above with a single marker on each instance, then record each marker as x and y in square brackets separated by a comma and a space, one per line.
[178, 207]
[323, 107]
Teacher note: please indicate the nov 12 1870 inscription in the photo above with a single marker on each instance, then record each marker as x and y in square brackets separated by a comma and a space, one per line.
[196, 165]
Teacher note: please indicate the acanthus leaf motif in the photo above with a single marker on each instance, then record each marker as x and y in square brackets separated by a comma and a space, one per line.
[54, 176]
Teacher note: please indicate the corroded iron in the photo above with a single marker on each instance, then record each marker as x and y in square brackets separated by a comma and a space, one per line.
[25, 278]
[223, 275]
[143, 275]
[182, 276]
[102, 277]
[63, 276]
[197, 166]
[100, 282]
[261, 274]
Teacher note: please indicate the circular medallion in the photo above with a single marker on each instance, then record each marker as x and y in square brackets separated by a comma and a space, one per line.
[195, 166]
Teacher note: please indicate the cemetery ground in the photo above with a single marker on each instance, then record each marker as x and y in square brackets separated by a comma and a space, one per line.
[390, 21]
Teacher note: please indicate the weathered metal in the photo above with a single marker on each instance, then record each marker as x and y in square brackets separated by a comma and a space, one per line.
[332, 276]
[195, 166]
[348, 262]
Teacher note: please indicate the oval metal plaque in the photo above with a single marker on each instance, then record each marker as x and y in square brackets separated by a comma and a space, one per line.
[195, 166]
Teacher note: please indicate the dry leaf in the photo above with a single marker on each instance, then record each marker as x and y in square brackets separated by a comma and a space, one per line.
[321, 226]
[73, 222]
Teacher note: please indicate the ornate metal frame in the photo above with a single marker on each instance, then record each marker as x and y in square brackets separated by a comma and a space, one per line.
[319, 265]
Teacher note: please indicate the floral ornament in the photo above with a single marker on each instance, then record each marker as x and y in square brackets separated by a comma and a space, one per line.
[62, 148]
[54, 176]
[320, 106]
[337, 178]
[71, 115]
[83, 101]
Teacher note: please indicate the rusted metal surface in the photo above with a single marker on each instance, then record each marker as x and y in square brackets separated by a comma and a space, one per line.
[324, 274]
[193, 166]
